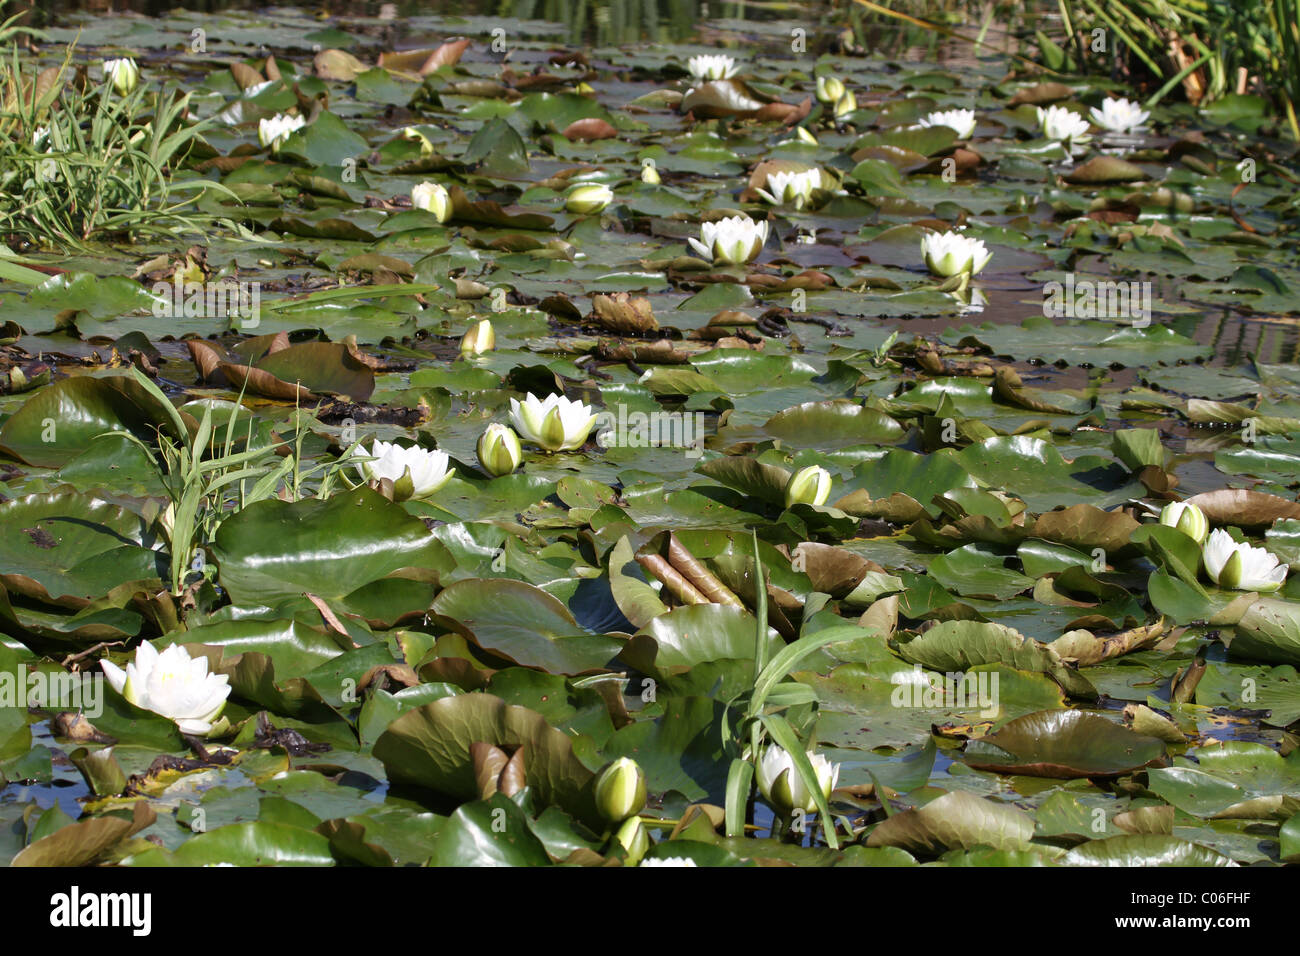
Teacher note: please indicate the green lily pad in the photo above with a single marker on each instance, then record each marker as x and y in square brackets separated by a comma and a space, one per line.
[956, 820]
[430, 747]
[524, 625]
[1064, 744]
[273, 549]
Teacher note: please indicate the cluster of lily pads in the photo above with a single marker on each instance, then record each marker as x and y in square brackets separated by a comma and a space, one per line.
[612, 473]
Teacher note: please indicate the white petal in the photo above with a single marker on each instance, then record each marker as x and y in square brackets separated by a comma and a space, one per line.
[115, 676]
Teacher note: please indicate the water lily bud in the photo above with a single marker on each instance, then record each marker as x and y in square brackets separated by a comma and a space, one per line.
[434, 198]
[499, 451]
[1188, 519]
[783, 787]
[123, 73]
[479, 339]
[415, 136]
[620, 790]
[650, 175]
[846, 104]
[809, 486]
[588, 198]
[634, 840]
[829, 89]
[1241, 566]
[806, 135]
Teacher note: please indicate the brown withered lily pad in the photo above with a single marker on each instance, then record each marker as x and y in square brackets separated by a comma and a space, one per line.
[1244, 508]
[425, 61]
[589, 130]
[624, 314]
[293, 373]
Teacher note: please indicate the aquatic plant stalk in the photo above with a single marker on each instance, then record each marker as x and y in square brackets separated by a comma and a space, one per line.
[680, 588]
[694, 571]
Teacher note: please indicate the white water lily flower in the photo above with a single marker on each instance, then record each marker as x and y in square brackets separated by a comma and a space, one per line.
[274, 131]
[810, 485]
[171, 684]
[588, 198]
[784, 788]
[961, 121]
[670, 861]
[1241, 567]
[732, 241]
[950, 253]
[717, 66]
[731, 97]
[791, 188]
[1064, 125]
[123, 74]
[1119, 116]
[556, 423]
[258, 88]
[428, 470]
[1188, 519]
[829, 89]
[434, 198]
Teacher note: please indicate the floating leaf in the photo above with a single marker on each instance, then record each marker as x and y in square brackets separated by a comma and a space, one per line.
[430, 747]
[956, 820]
[1063, 744]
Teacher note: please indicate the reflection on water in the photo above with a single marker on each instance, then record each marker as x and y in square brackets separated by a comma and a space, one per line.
[617, 22]
[613, 22]
[598, 22]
